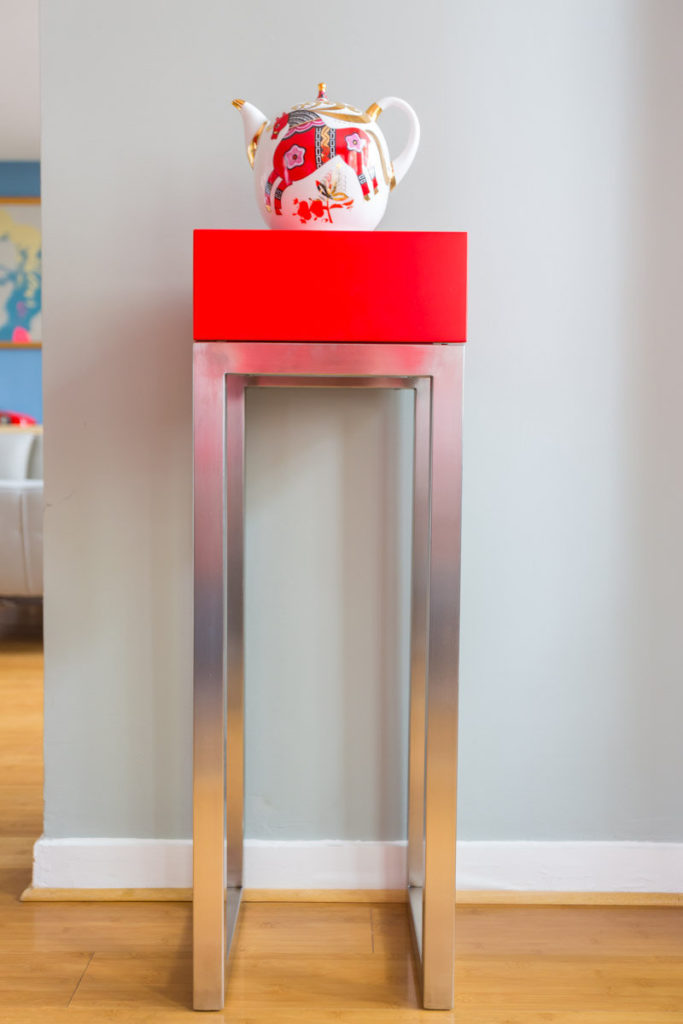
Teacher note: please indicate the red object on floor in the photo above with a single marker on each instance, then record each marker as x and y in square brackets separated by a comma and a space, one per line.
[355, 286]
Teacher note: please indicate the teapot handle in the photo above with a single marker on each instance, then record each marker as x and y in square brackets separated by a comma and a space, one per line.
[407, 155]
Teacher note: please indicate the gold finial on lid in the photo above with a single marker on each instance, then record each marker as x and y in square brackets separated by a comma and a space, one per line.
[322, 91]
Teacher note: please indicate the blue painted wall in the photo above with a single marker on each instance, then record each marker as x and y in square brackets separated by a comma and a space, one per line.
[21, 381]
[21, 377]
[19, 178]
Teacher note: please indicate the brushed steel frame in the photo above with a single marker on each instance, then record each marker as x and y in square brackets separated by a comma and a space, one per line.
[222, 371]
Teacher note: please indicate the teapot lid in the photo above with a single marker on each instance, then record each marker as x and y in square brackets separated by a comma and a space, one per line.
[338, 111]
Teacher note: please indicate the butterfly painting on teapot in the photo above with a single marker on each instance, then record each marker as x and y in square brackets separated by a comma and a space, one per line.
[324, 165]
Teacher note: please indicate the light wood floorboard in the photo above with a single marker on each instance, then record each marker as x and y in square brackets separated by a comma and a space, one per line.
[299, 963]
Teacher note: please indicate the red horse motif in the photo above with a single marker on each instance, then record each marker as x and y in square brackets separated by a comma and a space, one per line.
[307, 145]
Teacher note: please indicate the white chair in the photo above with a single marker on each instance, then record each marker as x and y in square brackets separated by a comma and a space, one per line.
[21, 512]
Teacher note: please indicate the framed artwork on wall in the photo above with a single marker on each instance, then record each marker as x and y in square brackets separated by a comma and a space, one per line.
[20, 272]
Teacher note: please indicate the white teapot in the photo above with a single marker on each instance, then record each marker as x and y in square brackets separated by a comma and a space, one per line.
[323, 165]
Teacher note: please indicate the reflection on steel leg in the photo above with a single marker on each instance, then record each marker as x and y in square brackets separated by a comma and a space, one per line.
[209, 689]
[418, 640]
[235, 625]
[233, 898]
[438, 935]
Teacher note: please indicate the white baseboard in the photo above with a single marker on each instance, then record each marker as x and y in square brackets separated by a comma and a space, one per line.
[330, 864]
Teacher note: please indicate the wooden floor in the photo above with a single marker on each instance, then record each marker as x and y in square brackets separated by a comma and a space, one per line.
[298, 963]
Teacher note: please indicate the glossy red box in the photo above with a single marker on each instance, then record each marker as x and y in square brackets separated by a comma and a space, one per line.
[374, 286]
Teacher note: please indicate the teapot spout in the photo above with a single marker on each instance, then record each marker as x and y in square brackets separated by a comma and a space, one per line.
[254, 122]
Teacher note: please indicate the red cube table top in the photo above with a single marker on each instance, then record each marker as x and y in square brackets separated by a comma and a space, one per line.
[355, 286]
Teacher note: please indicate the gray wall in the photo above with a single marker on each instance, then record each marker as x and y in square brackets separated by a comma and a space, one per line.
[551, 132]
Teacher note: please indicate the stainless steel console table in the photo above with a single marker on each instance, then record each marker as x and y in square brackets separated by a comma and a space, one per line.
[222, 372]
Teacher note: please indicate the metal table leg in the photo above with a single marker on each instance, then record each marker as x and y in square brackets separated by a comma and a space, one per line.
[234, 560]
[209, 688]
[418, 650]
[434, 677]
[438, 923]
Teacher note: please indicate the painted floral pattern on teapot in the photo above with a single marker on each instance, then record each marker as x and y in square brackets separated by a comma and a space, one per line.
[324, 165]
